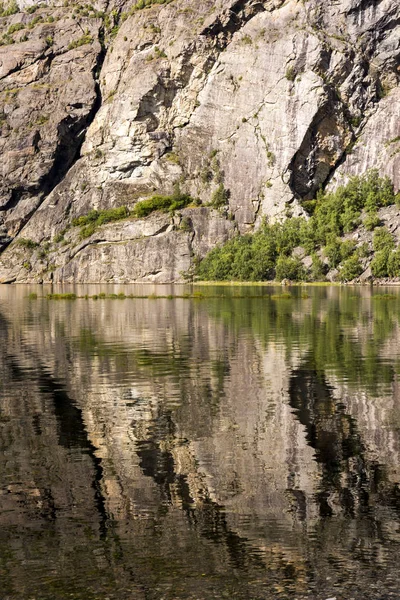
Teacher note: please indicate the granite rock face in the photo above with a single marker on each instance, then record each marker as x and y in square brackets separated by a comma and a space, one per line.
[103, 106]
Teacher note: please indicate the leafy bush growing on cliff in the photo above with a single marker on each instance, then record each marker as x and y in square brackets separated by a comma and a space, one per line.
[82, 41]
[383, 244]
[89, 223]
[220, 197]
[163, 203]
[11, 9]
[371, 221]
[140, 4]
[351, 268]
[27, 243]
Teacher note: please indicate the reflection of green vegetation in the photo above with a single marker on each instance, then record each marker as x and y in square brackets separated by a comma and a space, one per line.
[134, 358]
[326, 328]
[344, 332]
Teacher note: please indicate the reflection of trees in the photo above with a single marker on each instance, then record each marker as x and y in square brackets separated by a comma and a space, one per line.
[346, 329]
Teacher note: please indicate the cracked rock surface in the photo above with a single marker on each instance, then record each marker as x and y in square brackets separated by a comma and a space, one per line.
[101, 106]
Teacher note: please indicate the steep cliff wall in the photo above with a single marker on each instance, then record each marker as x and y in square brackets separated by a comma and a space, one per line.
[103, 106]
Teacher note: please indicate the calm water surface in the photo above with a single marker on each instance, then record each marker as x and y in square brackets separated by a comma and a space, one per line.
[221, 447]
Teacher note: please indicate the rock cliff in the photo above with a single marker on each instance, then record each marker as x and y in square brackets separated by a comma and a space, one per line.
[103, 105]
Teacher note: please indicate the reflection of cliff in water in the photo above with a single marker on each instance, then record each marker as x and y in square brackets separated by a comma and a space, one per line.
[192, 446]
[52, 513]
[356, 496]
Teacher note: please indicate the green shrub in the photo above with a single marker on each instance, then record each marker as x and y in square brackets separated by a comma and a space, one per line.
[15, 27]
[59, 237]
[393, 263]
[27, 243]
[61, 296]
[333, 253]
[95, 218]
[11, 9]
[382, 240]
[163, 203]
[351, 268]
[243, 258]
[35, 21]
[290, 268]
[99, 217]
[318, 269]
[347, 249]
[363, 250]
[339, 212]
[220, 197]
[87, 231]
[379, 264]
[371, 221]
[290, 73]
[140, 4]
[82, 41]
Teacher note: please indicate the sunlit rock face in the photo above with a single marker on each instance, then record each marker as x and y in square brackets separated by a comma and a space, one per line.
[270, 100]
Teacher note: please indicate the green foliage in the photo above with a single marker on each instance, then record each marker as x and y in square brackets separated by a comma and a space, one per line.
[35, 21]
[379, 264]
[266, 254]
[290, 73]
[15, 27]
[220, 197]
[386, 263]
[339, 212]
[163, 203]
[82, 41]
[371, 221]
[333, 253]
[11, 9]
[140, 4]
[254, 257]
[59, 237]
[318, 269]
[351, 268]
[362, 251]
[26, 243]
[95, 218]
[337, 251]
[61, 296]
[382, 240]
[393, 263]
[290, 268]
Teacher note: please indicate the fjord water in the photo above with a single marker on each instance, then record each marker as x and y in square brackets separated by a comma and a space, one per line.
[241, 445]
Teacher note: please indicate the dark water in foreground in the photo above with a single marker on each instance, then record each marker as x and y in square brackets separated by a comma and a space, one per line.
[192, 449]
